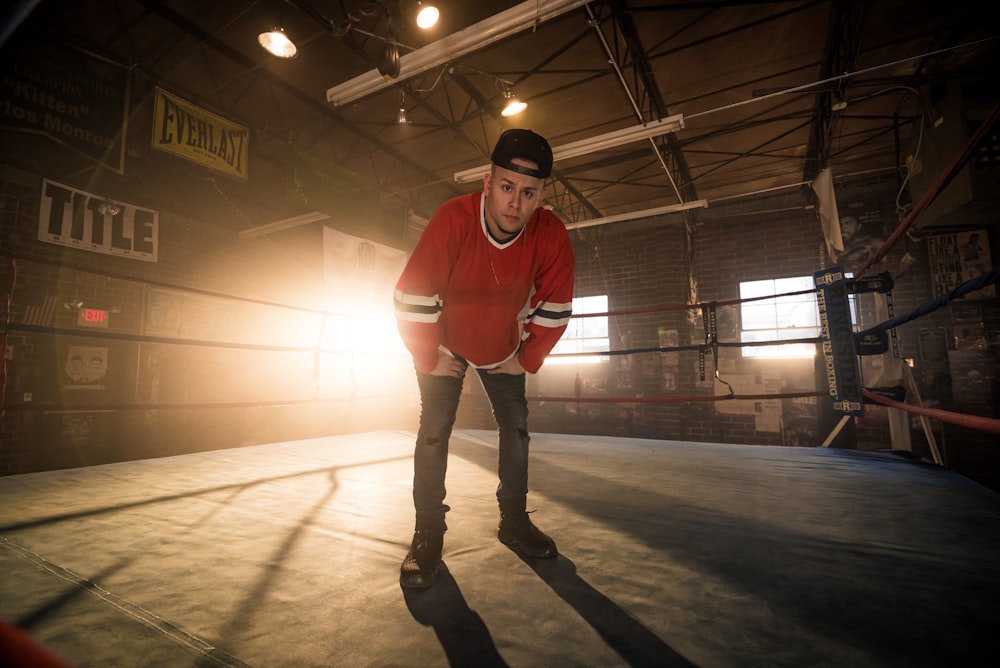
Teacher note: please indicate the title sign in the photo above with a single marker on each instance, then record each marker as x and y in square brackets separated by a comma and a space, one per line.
[70, 96]
[200, 136]
[843, 372]
[78, 219]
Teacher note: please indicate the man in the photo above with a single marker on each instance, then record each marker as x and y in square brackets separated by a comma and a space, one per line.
[488, 286]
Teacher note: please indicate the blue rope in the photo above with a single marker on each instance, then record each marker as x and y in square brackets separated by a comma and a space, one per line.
[971, 285]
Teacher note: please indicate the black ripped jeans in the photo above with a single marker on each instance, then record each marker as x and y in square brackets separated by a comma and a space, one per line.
[439, 397]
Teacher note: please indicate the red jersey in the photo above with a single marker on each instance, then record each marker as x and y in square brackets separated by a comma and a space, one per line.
[485, 301]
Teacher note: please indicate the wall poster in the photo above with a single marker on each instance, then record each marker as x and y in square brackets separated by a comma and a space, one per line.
[959, 257]
[85, 368]
[70, 96]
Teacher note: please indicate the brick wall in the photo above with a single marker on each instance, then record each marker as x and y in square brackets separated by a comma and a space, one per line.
[643, 265]
[199, 397]
[221, 379]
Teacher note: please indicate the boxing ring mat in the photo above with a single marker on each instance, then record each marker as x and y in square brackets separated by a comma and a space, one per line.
[671, 554]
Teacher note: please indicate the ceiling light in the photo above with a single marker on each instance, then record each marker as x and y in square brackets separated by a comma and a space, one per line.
[277, 43]
[284, 224]
[388, 66]
[401, 119]
[513, 105]
[647, 213]
[427, 16]
[594, 144]
[495, 28]
[108, 208]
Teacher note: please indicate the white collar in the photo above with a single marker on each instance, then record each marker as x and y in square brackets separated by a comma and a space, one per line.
[486, 228]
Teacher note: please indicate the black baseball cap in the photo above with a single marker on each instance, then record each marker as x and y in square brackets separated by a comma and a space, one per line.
[527, 145]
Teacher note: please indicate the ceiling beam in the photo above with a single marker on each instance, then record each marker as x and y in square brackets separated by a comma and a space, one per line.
[847, 23]
[306, 99]
[474, 38]
[650, 90]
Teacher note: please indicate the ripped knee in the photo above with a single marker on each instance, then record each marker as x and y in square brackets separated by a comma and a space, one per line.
[430, 442]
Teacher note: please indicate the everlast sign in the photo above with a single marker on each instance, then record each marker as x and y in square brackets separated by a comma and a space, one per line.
[82, 220]
[843, 373]
[200, 136]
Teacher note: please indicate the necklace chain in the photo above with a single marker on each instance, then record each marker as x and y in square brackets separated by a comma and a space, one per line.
[489, 254]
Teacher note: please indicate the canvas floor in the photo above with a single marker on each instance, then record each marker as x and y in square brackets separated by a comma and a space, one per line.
[671, 554]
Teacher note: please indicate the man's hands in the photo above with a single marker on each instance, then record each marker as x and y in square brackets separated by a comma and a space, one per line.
[511, 366]
[449, 366]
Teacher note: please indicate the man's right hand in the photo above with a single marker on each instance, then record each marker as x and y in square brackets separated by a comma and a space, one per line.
[449, 366]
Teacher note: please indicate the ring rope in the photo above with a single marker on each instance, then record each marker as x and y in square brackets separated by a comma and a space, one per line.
[8, 308]
[687, 348]
[677, 400]
[146, 406]
[971, 285]
[929, 196]
[978, 422]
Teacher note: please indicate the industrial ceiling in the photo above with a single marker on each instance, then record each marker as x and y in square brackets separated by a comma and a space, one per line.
[767, 93]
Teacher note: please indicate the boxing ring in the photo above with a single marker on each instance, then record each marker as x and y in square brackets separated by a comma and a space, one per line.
[671, 554]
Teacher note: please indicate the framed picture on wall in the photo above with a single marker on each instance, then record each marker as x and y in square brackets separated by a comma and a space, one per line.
[84, 368]
[959, 257]
[88, 371]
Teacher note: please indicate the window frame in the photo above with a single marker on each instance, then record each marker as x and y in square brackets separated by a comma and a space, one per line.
[801, 309]
[584, 336]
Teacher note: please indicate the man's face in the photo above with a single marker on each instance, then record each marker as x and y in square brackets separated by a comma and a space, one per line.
[848, 227]
[511, 198]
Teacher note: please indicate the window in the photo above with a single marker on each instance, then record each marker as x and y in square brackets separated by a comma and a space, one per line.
[584, 335]
[780, 318]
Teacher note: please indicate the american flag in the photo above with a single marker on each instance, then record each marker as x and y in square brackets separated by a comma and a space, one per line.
[41, 314]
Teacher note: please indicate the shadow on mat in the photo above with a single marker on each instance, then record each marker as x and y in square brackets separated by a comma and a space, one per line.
[634, 643]
[461, 632]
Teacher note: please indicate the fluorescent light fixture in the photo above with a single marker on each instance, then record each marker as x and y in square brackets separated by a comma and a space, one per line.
[279, 225]
[277, 43]
[475, 37]
[594, 144]
[646, 213]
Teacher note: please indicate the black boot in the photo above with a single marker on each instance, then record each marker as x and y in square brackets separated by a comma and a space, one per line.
[517, 531]
[423, 560]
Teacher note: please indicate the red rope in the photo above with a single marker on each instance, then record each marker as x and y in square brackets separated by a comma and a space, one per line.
[977, 422]
[932, 193]
[667, 400]
[3, 335]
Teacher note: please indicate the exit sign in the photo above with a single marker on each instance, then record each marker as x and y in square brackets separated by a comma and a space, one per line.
[92, 317]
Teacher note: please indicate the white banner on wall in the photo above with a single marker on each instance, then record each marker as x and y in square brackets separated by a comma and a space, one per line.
[71, 217]
[359, 269]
